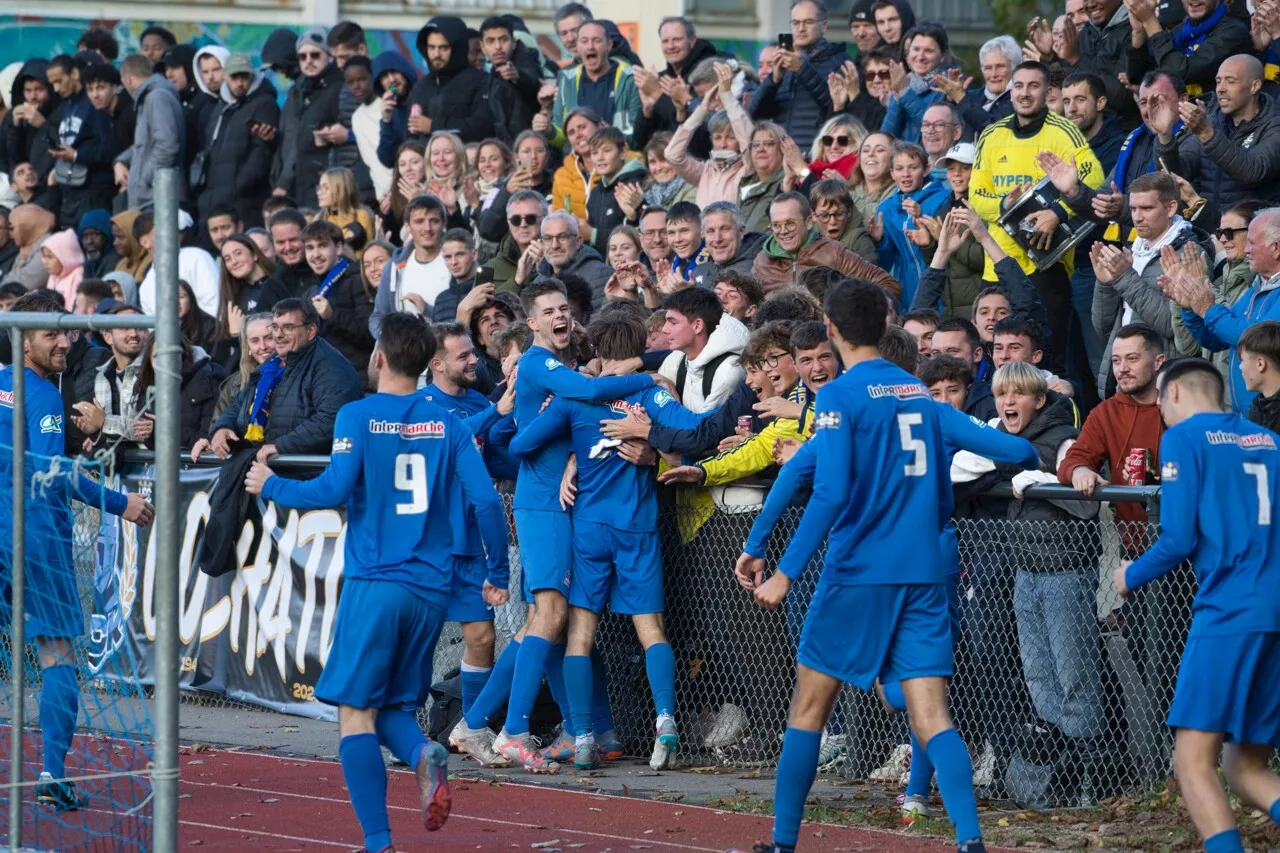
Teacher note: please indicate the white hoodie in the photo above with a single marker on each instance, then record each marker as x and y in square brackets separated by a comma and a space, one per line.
[729, 336]
[219, 53]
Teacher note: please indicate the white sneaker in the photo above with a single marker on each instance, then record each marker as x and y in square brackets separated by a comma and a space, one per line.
[477, 743]
[525, 750]
[914, 807]
[984, 769]
[665, 744]
[833, 752]
[729, 726]
[896, 768]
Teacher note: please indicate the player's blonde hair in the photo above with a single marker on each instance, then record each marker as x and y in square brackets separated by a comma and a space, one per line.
[1021, 378]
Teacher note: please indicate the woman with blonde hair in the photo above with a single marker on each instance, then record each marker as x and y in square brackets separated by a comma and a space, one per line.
[408, 181]
[764, 176]
[448, 177]
[340, 200]
[875, 168]
[256, 346]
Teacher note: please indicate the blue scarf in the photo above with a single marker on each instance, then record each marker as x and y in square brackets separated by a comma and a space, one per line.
[1188, 37]
[332, 277]
[1126, 153]
[260, 409]
[685, 267]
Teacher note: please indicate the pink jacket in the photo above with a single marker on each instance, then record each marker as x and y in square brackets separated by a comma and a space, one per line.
[65, 246]
[715, 182]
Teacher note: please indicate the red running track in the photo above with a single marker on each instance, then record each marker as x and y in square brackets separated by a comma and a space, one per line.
[235, 801]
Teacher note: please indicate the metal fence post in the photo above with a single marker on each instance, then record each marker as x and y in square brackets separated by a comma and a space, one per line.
[17, 628]
[167, 500]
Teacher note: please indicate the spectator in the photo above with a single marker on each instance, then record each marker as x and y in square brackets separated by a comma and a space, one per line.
[154, 41]
[917, 196]
[965, 259]
[688, 250]
[759, 186]
[624, 246]
[795, 245]
[280, 53]
[195, 326]
[720, 177]
[729, 247]
[27, 188]
[487, 320]
[80, 143]
[178, 66]
[1084, 98]
[925, 57]
[1018, 338]
[567, 21]
[102, 85]
[289, 403]
[532, 172]
[451, 97]
[373, 178]
[837, 218]
[1233, 151]
[653, 239]
[616, 195]
[292, 273]
[706, 346]
[949, 380]
[1259, 351]
[850, 97]
[195, 265]
[796, 94]
[64, 260]
[114, 412]
[416, 274]
[134, 260]
[1103, 45]
[981, 106]
[99, 258]
[1128, 289]
[562, 251]
[665, 186]
[393, 79]
[408, 181]
[31, 226]
[495, 165]
[893, 18]
[244, 273]
[601, 83]
[255, 347]
[447, 177]
[90, 293]
[862, 26]
[262, 239]
[525, 212]
[683, 51]
[312, 104]
[940, 131]
[346, 40]
[1194, 50]
[339, 201]
[221, 222]
[348, 44]
[159, 134]
[958, 338]
[570, 186]
[463, 295]
[338, 296]
[211, 69]
[921, 324]
[514, 81]
[373, 263]
[32, 102]
[8, 246]
[201, 380]
[875, 184]
[237, 160]
[100, 41]
[739, 294]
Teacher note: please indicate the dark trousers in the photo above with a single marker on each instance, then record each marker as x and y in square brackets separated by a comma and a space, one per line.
[1054, 287]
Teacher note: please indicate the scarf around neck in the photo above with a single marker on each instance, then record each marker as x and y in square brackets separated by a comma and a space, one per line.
[1188, 37]
[1145, 251]
[260, 408]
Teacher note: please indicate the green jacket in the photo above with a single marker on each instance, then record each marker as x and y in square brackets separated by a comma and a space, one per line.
[626, 102]
[964, 276]
[754, 198]
[504, 264]
[857, 239]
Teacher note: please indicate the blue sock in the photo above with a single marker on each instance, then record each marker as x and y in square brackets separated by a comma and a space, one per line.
[399, 732]
[59, 705]
[496, 689]
[796, 771]
[526, 680]
[920, 778]
[578, 679]
[366, 778]
[893, 695]
[660, 663]
[474, 678]
[601, 715]
[555, 683]
[1227, 841]
[955, 783]
[1275, 812]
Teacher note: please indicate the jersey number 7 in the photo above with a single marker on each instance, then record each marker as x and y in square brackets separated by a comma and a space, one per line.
[919, 465]
[1259, 472]
[411, 477]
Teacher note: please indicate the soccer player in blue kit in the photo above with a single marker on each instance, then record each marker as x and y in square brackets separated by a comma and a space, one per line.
[617, 556]
[881, 469]
[543, 526]
[1220, 484]
[54, 616]
[399, 462]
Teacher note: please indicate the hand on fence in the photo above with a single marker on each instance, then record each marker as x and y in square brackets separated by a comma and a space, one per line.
[1084, 480]
[1117, 578]
[749, 571]
[691, 474]
[257, 477]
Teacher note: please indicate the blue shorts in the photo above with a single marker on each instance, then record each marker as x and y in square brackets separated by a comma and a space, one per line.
[546, 550]
[466, 596]
[623, 567]
[384, 639]
[51, 600]
[953, 607]
[1228, 684]
[890, 632]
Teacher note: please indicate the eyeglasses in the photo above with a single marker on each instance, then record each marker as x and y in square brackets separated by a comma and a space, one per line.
[1229, 234]
[936, 125]
[841, 140]
[653, 234]
[310, 56]
[785, 227]
[528, 219]
[832, 216]
[286, 327]
[877, 75]
[772, 359]
[559, 238]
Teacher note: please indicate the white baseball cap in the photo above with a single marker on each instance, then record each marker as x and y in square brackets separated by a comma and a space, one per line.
[961, 152]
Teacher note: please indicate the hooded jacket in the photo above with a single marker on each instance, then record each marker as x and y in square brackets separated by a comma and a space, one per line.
[586, 264]
[1221, 327]
[775, 267]
[237, 161]
[1240, 160]
[729, 337]
[24, 143]
[65, 246]
[625, 99]
[454, 98]
[393, 133]
[801, 101]
[514, 103]
[603, 211]
[897, 253]
[197, 103]
[98, 220]
[159, 139]
[280, 50]
[138, 260]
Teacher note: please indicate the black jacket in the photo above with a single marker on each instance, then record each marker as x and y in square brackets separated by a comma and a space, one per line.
[201, 382]
[1228, 37]
[664, 111]
[703, 441]
[801, 102]
[348, 327]
[979, 402]
[455, 97]
[83, 361]
[122, 124]
[24, 143]
[603, 211]
[514, 103]
[312, 103]
[491, 222]
[1240, 161]
[1265, 411]
[1106, 143]
[317, 382]
[287, 281]
[237, 162]
[197, 107]
[229, 507]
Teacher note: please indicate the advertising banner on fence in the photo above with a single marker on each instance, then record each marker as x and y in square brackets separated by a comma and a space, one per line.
[261, 634]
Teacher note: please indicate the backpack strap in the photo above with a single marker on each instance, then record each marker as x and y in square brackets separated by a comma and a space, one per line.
[709, 374]
[682, 373]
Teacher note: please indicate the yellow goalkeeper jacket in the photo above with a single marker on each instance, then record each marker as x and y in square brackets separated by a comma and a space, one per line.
[1007, 155]
[756, 453]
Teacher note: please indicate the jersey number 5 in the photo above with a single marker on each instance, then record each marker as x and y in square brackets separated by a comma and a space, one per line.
[1259, 472]
[411, 477]
[919, 465]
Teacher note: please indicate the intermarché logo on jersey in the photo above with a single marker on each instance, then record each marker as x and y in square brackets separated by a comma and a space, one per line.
[426, 429]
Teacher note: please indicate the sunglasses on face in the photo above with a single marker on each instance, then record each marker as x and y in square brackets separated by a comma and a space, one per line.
[841, 140]
[1229, 234]
[310, 56]
[877, 75]
[526, 220]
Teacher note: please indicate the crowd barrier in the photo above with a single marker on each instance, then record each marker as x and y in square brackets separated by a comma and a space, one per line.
[1060, 691]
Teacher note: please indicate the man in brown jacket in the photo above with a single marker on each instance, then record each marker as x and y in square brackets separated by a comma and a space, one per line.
[796, 245]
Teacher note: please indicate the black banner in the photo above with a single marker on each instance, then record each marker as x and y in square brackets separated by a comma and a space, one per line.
[261, 634]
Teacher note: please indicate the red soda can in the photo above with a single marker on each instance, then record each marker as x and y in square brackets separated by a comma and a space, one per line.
[1135, 466]
[744, 424]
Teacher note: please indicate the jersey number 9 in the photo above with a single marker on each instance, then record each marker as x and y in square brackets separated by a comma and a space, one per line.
[411, 477]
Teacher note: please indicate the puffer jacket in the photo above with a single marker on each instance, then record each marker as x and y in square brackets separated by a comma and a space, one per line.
[317, 381]
[312, 103]
[237, 161]
[1240, 161]
[201, 384]
[454, 98]
[775, 267]
[801, 102]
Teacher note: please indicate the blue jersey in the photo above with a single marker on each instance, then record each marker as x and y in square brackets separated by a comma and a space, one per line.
[396, 463]
[481, 417]
[49, 518]
[882, 484]
[611, 490]
[1219, 486]
[543, 375]
[959, 432]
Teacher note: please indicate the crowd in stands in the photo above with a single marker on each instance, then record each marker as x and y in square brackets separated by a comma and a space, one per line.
[717, 198]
